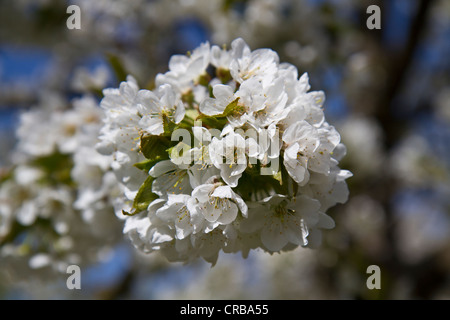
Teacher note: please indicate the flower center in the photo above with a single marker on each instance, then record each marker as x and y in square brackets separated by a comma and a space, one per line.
[220, 203]
[182, 213]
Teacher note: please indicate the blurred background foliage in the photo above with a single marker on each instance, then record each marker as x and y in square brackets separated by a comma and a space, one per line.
[388, 94]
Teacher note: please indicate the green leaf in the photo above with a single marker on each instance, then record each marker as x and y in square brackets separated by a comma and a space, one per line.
[130, 214]
[144, 196]
[154, 147]
[277, 176]
[117, 66]
[217, 122]
[231, 108]
[220, 120]
[147, 164]
[169, 125]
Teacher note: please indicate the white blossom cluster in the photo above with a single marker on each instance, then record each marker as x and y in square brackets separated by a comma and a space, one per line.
[262, 168]
[56, 203]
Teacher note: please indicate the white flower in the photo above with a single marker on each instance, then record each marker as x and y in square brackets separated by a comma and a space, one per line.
[120, 132]
[281, 221]
[176, 211]
[308, 148]
[328, 189]
[363, 139]
[220, 59]
[223, 96]
[155, 108]
[34, 139]
[246, 64]
[228, 155]
[85, 80]
[249, 98]
[120, 135]
[169, 179]
[273, 108]
[185, 70]
[302, 141]
[218, 204]
[147, 231]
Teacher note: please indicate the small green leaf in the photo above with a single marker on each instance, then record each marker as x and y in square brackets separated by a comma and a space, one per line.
[154, 147]
[169, 125]
[117, 66]
[144, 196]
[277, 176]
[147, 164]
[130, 214]
[217, 122]
[231, 108]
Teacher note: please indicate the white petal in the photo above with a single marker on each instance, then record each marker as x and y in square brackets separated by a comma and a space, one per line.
[291, 151]
[224, 192]
[212, 107]
[325, 221]
[168, 96]
[162, 167]
[152, 125]
[178, 63]
[202, 192]
[161, 234]
[211, 213]
[239, 48]
[196, 67]
[229, 214]
[231, 180]
[148, 100]
[242, 205]
[223, 92]
[274, 237]
[179, 112]
[183, 226]
[168, 213]
[297, 172]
